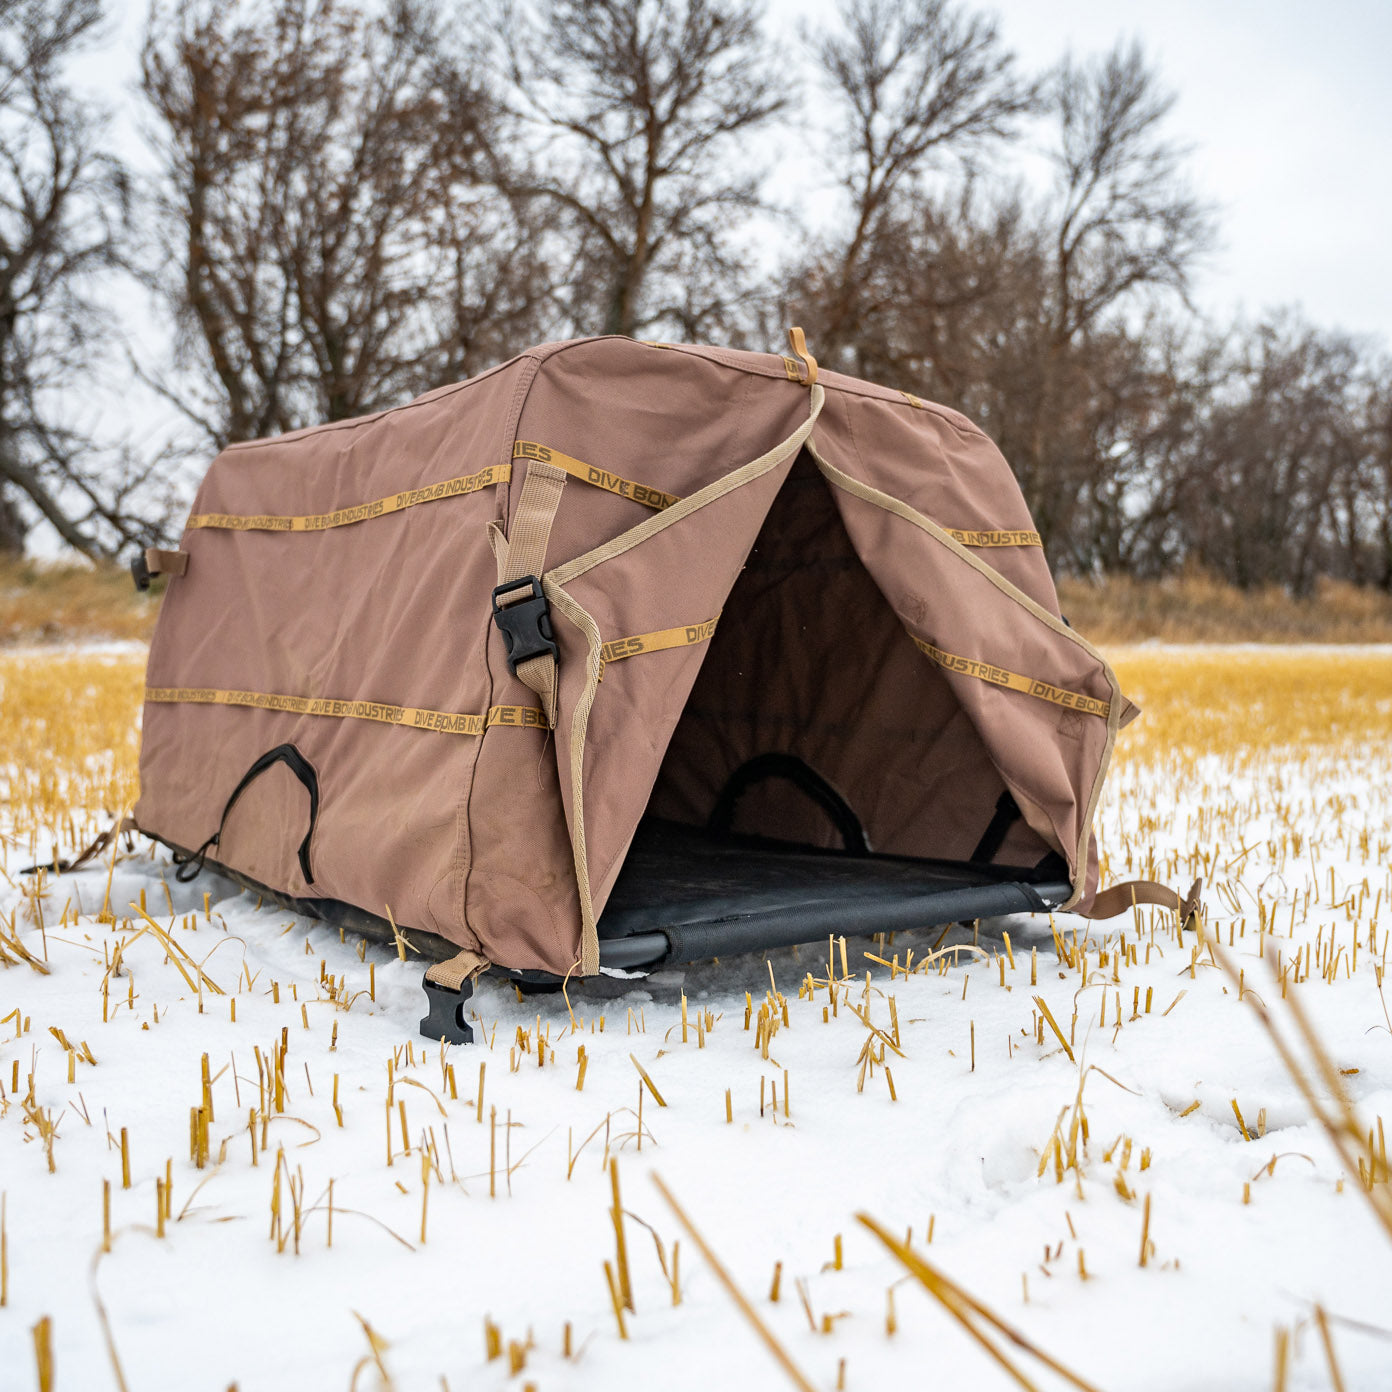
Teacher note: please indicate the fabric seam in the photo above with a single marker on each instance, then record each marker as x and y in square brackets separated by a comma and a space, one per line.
[585, 621]
[850, 388]
[463, 860]
[897, 507]
[443, 394]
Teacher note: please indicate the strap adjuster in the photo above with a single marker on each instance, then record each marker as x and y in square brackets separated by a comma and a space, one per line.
[525, 622]
[444, 1012]
[155, 562]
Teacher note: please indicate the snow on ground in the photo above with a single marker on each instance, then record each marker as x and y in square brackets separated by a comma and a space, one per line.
[1253, 1223]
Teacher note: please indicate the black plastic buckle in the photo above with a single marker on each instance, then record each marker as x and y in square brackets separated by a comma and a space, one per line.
[444, 1013]
[525, 623]
[140, 571]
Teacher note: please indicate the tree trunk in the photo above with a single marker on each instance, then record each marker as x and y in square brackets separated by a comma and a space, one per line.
[13, 528]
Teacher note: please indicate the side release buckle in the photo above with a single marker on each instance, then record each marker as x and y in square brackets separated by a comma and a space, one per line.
[525, 621]
[140, 571]
[444, 1013]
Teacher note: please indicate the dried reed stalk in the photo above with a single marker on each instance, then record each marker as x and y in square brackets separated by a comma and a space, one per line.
[780, 1354]
[967, 1310]
[1334, 1112]
[43, 1352]
[652, 1086]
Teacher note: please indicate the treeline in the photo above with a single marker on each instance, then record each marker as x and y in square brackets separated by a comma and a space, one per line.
[339, 205]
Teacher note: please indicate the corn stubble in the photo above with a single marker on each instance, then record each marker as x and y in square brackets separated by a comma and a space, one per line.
[1209, 719]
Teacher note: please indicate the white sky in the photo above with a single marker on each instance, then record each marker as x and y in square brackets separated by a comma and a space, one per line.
[1287, 104]
[1288, 107]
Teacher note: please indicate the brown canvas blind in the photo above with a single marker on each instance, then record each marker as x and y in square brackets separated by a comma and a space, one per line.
[746, 595]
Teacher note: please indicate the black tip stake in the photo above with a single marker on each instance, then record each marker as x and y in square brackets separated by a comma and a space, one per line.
[444, 1017]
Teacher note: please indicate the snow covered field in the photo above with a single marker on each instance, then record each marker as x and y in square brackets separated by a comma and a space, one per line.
[1149, 1202]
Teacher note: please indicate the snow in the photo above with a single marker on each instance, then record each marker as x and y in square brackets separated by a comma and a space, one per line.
[108, 648]
[1239, 1252]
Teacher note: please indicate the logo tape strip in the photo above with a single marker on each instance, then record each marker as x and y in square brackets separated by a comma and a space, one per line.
[445, 722]
[344, 517]
[654, 498]
[999, 676]
[686, 637]
[994, 538]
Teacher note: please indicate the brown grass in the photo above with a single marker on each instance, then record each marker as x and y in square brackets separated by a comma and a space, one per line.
[1244, 706]
[1197, 608]
[53, 602]
[61, 602]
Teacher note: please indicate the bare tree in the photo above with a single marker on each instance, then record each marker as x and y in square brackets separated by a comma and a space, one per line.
[919, 86]
[1126, 216]
[1123, 227]
[63, 205]
[949, 288]
[328, 199]
[1266, 494]
[645, 114]
[1036, 312]
[1376, 491]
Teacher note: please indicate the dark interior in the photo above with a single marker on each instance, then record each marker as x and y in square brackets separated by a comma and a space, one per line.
[685, 895]
[822, 778]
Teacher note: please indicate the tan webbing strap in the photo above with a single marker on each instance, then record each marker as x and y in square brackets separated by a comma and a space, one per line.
[1013, 681]
[166, 562]
[452, 973]
[445, 722]
[531, 523]
[693, 502]
[983, 539]
[621, 487]
[584, 621]
[525, 554]
[619, 648]
[1117, 898]
[344, 517]
[798, 340]
[122, 827]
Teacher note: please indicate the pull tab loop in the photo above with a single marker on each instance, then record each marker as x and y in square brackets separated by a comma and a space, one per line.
[798, 341]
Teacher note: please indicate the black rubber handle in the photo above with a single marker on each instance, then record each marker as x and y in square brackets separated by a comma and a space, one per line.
[1005, 816]
[296, 762]
[803, 777]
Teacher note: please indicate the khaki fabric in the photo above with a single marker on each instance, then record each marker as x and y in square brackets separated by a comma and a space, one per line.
[752, 559]
[1117, 898]
[455, 971]
[166, 562]
[523, 553]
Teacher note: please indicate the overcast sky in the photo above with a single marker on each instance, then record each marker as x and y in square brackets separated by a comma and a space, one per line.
[1288, 104]
[1288, 107]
